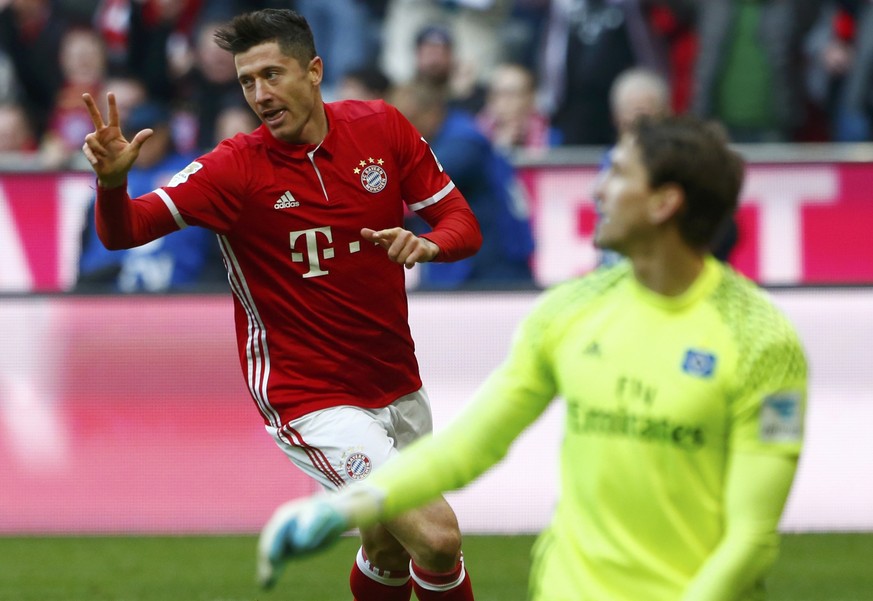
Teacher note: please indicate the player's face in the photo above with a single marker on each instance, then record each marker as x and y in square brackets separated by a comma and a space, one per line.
[283, 93]
[621, 196]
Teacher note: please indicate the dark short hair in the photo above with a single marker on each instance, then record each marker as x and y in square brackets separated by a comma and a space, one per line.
[693, 154]
[283, 26]
[434, 34]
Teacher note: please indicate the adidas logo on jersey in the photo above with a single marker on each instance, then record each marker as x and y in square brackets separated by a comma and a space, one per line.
[286, 202]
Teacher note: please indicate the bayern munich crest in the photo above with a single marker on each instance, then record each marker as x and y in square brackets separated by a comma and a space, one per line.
[373, 176]
[358, 466]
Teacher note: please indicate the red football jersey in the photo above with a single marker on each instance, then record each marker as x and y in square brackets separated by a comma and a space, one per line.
[320, 313]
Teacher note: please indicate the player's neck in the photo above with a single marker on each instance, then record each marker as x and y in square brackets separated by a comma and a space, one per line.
[668, 270]
[316, 130]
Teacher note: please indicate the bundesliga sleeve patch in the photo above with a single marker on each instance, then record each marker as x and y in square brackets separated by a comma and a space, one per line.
[781, 418]
[184, 174]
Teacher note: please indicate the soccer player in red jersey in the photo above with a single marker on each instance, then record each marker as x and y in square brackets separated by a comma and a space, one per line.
[308, 210]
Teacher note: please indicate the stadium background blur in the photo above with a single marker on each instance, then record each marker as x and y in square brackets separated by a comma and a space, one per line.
[101, 395]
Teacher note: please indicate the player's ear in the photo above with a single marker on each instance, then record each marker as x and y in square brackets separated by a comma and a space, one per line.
[316, 70]
[666, 202]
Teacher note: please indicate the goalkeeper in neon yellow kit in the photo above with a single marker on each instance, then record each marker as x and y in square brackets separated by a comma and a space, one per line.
[685, 392]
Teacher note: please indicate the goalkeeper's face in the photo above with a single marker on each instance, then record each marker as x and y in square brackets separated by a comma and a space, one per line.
[624, 200]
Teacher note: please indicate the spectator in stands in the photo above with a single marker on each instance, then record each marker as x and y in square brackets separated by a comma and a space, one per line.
[673, 22]
[83, 68]
[510, 117]
[184, 260]
[129, 91]
[365, 83]
[587, 44]
[488, 182]
[523, 32]
[477, 27]
[210, 86]
[436, 65]
[16, 133]
[30, 34]
[157, 42]
[847, 59]
[344, 30]
[747, 73]
[233, 120]
[637, 92]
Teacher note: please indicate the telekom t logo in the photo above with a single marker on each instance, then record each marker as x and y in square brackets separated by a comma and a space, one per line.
[313, 254]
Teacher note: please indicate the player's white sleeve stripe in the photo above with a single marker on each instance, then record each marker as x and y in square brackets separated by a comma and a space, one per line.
[433, 199]
[257, 352]
[173, 210]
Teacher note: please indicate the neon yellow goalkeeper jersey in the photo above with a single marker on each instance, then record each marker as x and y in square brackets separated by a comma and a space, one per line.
[660, 392]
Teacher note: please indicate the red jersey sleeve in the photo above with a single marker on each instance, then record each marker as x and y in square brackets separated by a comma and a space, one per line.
[455, 229]
[210, 191]
[429, 192]
[123, 222]
[206, 193]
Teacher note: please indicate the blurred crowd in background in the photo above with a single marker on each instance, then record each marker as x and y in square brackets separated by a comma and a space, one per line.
[534, 73]
[481, 79]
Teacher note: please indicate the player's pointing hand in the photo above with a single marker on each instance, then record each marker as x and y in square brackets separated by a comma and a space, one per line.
[402, 245]
[111, 156]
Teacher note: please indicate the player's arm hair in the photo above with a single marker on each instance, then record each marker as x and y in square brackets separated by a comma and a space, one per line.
[757, 488]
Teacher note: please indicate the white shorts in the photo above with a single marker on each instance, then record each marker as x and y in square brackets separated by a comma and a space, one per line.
[340, 444]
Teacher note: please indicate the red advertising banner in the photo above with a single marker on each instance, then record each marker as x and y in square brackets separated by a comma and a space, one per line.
[799, 224]
[41, 219]
[130, 414]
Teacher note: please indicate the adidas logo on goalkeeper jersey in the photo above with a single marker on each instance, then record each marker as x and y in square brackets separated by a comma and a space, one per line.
[286, 202]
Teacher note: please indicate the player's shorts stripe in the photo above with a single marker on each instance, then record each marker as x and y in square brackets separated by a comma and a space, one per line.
[433, 199]
[174, 211]
[257, 352]
[316, 456]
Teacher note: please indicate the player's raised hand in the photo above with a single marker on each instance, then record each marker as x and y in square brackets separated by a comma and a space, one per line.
[297, 528]
[402, 245]
[111, 156]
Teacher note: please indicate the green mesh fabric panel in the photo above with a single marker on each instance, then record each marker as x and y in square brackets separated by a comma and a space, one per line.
[767, 343]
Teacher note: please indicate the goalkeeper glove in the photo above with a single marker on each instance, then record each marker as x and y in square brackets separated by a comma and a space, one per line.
[305, 526]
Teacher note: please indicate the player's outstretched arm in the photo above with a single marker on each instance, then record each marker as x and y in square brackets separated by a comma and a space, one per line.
[111, 156]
